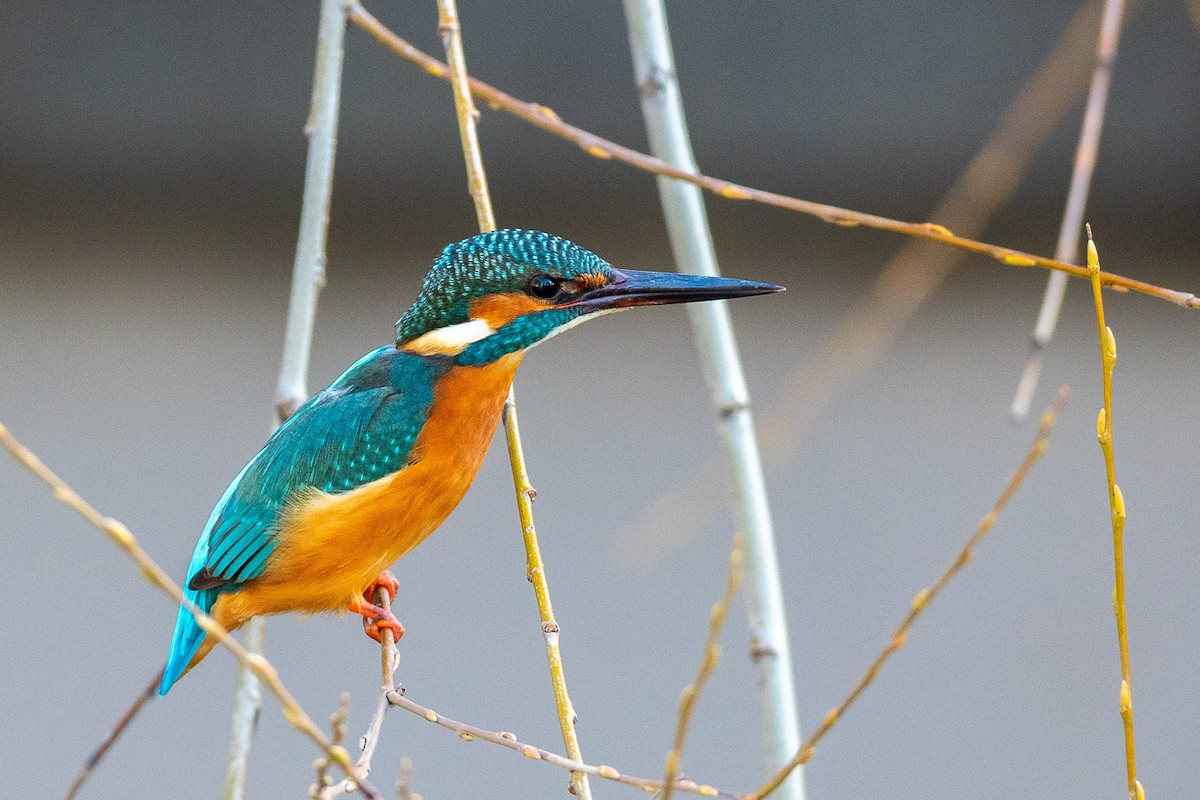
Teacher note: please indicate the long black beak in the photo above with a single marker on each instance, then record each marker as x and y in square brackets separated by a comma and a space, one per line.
[638, 288]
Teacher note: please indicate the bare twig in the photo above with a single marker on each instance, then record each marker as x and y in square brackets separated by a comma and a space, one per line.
[337, 726]
[1104, 432]
[389, 659]
[247, 701]
[451, 32]
[509, 741]
[152, 572]
[924, 597]
[708, 663]
[545, 118]
[404, 782]
[1072, 220]
[89, 765]
[712, 329]
[895, 296]
[308, 276]
[308, 272]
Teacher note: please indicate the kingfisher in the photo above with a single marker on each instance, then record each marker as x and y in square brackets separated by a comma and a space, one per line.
[368, 468]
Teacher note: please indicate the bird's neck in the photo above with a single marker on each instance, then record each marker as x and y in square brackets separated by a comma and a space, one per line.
[501, 325]
[466, 408]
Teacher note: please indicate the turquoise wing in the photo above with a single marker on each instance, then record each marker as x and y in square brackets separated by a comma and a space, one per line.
[359, 429]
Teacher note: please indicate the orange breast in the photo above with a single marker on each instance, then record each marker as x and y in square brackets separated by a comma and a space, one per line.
[332, 545]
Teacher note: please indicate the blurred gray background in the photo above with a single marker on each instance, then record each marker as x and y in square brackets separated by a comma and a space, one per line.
[151, 159]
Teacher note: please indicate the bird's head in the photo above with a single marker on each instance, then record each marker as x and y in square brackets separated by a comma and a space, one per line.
[505, 291]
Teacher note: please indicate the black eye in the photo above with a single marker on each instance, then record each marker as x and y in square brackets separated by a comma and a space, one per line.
[543, 286]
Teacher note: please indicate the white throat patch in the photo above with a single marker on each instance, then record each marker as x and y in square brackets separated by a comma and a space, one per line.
[450, 340]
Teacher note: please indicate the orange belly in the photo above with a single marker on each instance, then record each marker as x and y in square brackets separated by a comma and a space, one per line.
[331, 546]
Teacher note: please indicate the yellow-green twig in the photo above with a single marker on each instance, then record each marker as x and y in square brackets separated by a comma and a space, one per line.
[708, 663]
[923, 598]
[536, 570]
[124, 539]
[546, 119]
[1116, 501]
[451, 33]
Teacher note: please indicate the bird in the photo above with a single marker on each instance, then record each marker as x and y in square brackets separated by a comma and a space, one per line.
[369, 467]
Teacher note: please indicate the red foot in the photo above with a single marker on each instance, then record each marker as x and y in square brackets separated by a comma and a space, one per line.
[376, 620]
[386, 581]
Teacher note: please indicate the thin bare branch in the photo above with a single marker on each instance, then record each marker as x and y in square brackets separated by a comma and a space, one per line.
[308, 271]
[768, 644]
[395, 697]
[1104, 432]
[404, 783]
[97, 755]
[545, 118]
[389, 659]
[536, 571]
[924, 598]
[509, 741]
[1072, 220]
[894, 297]
[247, 701]
[152, 572]
[337, 726]
[708, 662]
[451, 32]
[308, 276]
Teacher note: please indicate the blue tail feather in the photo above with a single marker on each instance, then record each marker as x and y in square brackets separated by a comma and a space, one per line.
[188, 636]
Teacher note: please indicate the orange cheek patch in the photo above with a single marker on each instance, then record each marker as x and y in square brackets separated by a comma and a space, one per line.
[500, 309]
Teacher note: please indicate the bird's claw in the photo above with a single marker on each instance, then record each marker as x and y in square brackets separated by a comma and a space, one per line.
[386, 581]
[374, 626]
[376, 619]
